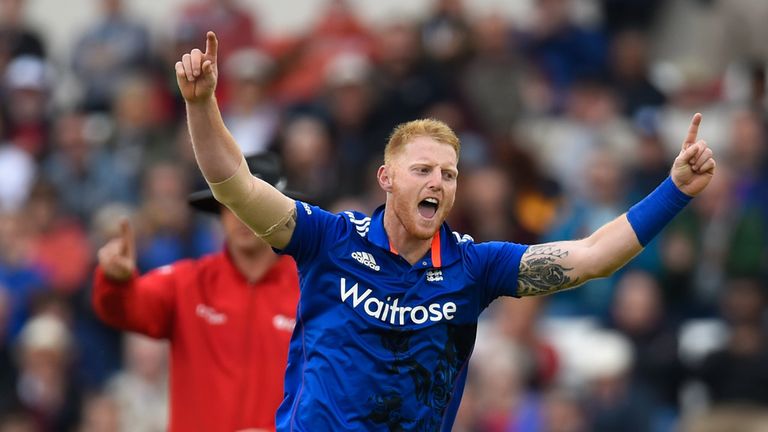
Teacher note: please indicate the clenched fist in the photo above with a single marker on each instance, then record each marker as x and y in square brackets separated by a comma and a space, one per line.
[117, 258]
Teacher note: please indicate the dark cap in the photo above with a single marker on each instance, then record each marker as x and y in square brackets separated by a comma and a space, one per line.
[266, 166]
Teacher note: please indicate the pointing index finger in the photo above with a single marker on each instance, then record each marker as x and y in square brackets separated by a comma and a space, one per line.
[693, 131]
[211, 45]
[126, 234]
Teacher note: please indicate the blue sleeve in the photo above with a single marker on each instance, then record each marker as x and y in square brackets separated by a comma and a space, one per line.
[316, 230]
[494, 265]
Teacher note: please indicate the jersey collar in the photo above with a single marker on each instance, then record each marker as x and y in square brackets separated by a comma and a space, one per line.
[444, 250]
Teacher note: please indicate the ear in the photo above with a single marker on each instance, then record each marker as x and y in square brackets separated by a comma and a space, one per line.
[385, 178]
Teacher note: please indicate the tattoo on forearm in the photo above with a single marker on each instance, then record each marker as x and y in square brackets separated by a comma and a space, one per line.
[542, 271]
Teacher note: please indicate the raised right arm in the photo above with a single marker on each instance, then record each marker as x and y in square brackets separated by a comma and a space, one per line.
[268, 212]
[141, 304]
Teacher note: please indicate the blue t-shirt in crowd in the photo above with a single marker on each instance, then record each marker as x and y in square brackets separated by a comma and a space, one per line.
[380, 344]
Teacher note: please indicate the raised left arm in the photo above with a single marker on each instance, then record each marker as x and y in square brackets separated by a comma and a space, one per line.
[552, 267]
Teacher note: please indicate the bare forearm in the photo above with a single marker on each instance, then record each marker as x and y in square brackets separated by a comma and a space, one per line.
[610, 248]
[269, 213]
[557, 266]
[216, 151]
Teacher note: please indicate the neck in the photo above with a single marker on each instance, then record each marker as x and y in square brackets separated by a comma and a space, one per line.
[253, 264]
[406, 245]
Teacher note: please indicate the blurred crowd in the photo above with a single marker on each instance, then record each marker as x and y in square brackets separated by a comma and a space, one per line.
[565, 122]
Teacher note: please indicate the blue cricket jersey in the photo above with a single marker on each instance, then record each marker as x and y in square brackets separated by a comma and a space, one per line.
[380, 344]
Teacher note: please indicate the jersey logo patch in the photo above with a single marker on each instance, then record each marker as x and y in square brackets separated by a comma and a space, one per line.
[463, 238]
[366, 259]
[389, 311]
[361, 225]
[210, 314]
[434, 275]
[284, 323]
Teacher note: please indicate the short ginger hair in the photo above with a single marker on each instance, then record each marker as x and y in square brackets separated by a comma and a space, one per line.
[406, 132]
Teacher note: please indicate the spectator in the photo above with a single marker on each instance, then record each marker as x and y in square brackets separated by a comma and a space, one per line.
[22, 278]
[59, 244]
[348, 102]
[7, 366]
[407, 85]
[604, 202]
[115, 46]
[734, 375]
[638, 312]
[630, 72]
[336, 32]
[28, 81]
[45, 388]
[168, 230]
[563, 50]
[140, 135]
[446, 36]
[493, 80]
[562, 145]
[485, 209]
[249, 112]
[226, 17]
[16, 38]
[17, 174]
[140, 391]
[85, 175]
[612, 402]
[309, 164]
[100, 414]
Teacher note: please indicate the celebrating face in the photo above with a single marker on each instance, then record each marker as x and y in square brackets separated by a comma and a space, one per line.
[420, 182]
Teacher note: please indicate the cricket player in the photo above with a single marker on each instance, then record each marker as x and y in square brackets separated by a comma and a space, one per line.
[389, 303]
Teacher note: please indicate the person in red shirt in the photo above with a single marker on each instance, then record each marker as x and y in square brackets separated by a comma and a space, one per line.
[228, 316]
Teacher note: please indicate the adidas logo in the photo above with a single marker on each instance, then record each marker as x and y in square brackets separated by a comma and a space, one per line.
[434, 275]
[366, 259]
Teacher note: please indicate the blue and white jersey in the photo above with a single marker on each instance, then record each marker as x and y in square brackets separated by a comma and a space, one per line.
[380, 344]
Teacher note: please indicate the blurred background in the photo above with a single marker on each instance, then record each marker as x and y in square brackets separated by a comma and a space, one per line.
[569, 111]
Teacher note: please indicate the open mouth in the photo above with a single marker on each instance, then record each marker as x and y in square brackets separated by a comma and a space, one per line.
[428, 208]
